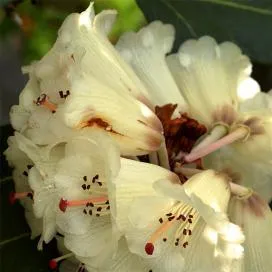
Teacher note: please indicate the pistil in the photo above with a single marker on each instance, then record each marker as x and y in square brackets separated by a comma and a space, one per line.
[53, 264]
[15, 196]
[241, 133]
[63, 204]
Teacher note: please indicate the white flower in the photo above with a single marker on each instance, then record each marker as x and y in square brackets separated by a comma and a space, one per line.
[250, 160]
[208, 75]
[145, 51]
[160, 226]
[255, 218]
[84, 82]
[45, 195]
[22, 164]
[36, 116]
[134, 127]
[82, 177]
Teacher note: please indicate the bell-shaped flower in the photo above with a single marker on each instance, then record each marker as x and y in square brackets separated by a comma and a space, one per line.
[83, 176]
[145, 51]
[22, 165]
[133, 125]
[209, 76]
[40, 178]
[255, 218]
[160, 216]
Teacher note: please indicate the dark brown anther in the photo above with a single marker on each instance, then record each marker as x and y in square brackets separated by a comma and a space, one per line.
[41, 99]
[171, 218]
[95, 178]
[185, 244]
[61, 94]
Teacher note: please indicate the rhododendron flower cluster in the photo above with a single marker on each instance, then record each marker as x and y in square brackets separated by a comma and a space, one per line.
[136, 159]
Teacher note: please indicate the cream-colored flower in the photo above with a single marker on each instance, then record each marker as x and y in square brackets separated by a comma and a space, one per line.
[160, 218]
[82, 176]
[85, 83]
[22, 164]
[45, 194]
[208, 75]
[255, 218]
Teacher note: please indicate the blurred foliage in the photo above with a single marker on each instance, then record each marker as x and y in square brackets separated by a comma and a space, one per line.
[37, 22]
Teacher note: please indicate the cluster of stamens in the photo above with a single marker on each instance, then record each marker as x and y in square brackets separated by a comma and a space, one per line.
[95, 181]
[185, 217]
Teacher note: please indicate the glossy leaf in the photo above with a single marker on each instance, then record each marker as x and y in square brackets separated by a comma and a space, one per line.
[247, 23]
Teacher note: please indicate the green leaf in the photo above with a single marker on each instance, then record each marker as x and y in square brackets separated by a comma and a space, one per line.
[247, 23]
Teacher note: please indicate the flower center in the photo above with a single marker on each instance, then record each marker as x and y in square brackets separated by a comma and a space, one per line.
[180, 133]
[43, 100]
[185, 219]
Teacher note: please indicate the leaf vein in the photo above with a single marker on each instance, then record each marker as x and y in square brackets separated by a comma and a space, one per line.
[13, 239]
[181, 17]
[239, 6]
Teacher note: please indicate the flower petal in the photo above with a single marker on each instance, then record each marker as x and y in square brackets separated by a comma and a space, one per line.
[145, 51]
[208, 74]
[134, 127]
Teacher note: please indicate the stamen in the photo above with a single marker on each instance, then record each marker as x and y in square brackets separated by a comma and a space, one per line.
[153, 158]
[43, 100]
[53, 264]
[63, 204]
[217, 132]
[188, 172]
[240, 133]
[15, 196]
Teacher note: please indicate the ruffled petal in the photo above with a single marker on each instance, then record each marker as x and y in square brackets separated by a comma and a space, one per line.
[207, 75]
[134, 181]
[257, 229]
[92, 243]
[145, 51]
